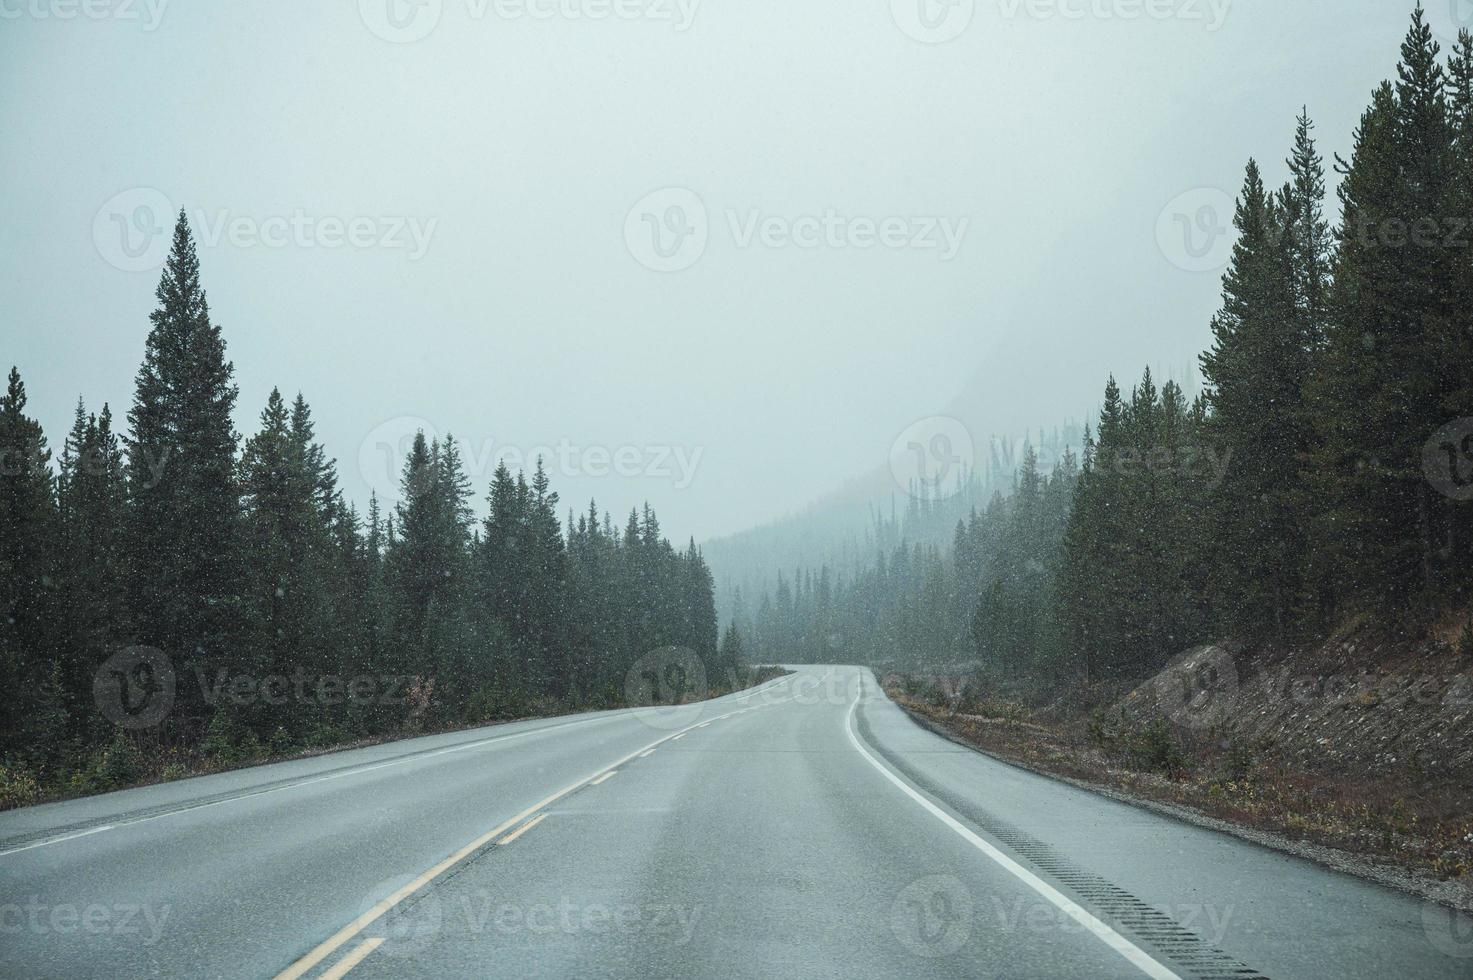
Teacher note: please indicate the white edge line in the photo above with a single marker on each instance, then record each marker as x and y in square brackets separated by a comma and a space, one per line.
[56, 840]
[1137, 956]
[356, 771]
[416, 757]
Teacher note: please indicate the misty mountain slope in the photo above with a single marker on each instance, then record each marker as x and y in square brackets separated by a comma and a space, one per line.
[845, 530]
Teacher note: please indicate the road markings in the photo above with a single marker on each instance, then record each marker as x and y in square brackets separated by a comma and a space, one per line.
[646, 755]
[341, 968]
[611, 772]
[1138, 957]
[523, 829]
[334, 942]
[56, 840]
[356, 771]
[678, 737]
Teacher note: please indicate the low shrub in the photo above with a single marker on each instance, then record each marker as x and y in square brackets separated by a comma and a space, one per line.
[18, 786]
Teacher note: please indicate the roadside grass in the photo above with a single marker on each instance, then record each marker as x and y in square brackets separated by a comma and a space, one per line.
[135, 759]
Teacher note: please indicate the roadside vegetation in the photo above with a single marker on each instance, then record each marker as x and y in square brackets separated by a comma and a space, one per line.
[1323, 474]
[122, 764]
[178, 600]
[1309, 511]
[1407, 818]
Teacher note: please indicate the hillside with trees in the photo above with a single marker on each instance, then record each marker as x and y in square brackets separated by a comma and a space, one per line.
[1324, 474]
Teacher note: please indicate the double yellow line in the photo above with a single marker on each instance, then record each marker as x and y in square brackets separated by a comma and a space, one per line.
[338, 939]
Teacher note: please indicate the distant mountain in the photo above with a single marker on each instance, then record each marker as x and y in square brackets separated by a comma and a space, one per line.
[846, 529]
[903, 501]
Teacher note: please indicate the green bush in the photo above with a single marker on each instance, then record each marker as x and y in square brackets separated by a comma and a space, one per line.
[281, 742]
[112, 766]
[18, 787]
[493, 702]
[227, 742]
[325, 736]
[121, 763]
[1239, 761]
[1153, 749]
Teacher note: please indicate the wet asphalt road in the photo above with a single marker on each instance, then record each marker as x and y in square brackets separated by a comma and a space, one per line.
[807, 828]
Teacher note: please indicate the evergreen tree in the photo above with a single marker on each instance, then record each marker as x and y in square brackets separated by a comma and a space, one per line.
[184, 509]
[92, 517]
[34, 713]
[1382, 387]
[1256, 371]
[288, 547]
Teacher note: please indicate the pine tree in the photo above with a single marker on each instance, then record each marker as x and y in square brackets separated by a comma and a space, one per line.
[544, 590]
[733, 657]
[289, 574]
[1382, 385]
[182, 537]
[92, 500]
[29, 640]
[1458, 397]
[1256, 371]
[1309, 233]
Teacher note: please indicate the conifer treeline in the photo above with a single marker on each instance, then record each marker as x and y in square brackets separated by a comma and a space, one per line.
[1325, 471]
[247, 562]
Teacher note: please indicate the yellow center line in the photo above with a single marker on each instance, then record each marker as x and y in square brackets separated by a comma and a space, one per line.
[521, 830]
[341, 968]
[605, 776]
[330, 945]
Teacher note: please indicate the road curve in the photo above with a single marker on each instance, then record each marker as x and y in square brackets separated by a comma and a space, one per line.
[807, 828]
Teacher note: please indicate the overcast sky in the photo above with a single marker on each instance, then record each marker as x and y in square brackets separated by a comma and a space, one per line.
[728, 249]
